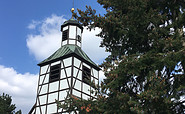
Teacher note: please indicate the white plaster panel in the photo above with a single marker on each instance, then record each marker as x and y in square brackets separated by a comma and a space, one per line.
[43, 109]
[65, 112]
[43, 69]
[53, 86]
[79, 32]
[72, 31]
[42, 99]
[79, 75]
[37, 110]
[77, 93]
[37, 102]
[62, 95]
[72, 41]
[86, 97]
[86, 65]
[69, 80]
[63, 75]
[68, 62]
[52, 97]
[46, 80]
[95, 72]
[78, 85]
[33, 112]
[63, 84]
[48, 70]
[78, 44]
[92, 73]
[52, 108]
[38, 89]
[77, 62]
[68, 71]
[73, 84]
[44, 89]
[92, 79]
[65, 28]
[62, 66]
[73, 112]
[86, 88]
[64, 42]
[55, 63]
[75, 71]
[96, 82]
[41, 79]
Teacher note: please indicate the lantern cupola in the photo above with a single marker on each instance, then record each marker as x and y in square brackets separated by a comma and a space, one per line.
[71, 32]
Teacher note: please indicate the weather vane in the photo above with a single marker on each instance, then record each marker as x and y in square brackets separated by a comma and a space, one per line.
[72, 9]
[73, 3]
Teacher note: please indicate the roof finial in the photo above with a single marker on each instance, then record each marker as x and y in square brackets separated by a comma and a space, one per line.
[72, 10]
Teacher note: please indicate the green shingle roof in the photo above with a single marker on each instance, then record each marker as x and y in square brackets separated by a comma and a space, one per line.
[67, 50]
[70, 21]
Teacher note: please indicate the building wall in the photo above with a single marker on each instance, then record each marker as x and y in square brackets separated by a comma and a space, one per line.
[69, 82]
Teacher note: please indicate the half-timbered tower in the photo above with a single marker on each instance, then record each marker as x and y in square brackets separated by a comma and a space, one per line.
[68, 71]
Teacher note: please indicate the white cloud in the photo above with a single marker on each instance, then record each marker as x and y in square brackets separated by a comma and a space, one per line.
[22, 87]
[42, 46]
[90, 44]
[48, 40]
[33, 24]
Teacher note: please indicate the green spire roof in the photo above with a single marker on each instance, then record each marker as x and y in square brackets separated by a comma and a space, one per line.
[65, 51]
[70, 21]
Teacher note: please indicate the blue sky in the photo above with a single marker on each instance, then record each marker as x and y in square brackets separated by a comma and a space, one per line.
[29, 33]
[15, 16]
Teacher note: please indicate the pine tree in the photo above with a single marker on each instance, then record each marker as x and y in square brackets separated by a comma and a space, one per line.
[6, 106]
[145, 71]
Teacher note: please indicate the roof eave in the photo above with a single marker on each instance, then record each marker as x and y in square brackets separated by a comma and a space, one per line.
[66, 56]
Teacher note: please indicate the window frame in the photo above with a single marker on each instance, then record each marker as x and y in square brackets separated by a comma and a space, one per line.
[55, 72]
[86, 75]
[65, 34]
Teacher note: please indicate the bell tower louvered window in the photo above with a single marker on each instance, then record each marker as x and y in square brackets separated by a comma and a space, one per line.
[64, 35]
[54, 73]
[86, 75]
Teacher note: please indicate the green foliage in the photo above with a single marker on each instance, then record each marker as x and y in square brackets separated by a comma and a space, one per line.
[6, 106]
[145, 71]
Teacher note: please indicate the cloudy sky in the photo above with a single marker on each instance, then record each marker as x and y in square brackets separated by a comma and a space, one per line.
[29, 33]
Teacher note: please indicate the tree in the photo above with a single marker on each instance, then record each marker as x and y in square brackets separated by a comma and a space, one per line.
[145, 71]
[6, 106]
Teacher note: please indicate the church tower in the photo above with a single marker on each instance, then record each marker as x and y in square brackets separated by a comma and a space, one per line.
[68, 71]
